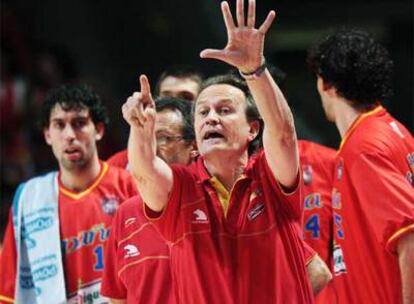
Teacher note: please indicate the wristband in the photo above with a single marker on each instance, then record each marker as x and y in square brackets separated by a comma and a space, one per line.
[256, 73]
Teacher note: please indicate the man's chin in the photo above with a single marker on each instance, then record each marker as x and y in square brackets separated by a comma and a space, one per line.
[72, 165]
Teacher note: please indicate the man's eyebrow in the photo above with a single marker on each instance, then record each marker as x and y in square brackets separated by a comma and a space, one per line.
[224, 100]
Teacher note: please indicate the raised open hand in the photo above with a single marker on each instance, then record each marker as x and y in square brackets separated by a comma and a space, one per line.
[244, 48]
[139, 109]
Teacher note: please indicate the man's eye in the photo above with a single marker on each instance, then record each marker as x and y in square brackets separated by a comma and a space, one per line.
[203, 112]
[59, 125]
[224, 110]
[78, 124]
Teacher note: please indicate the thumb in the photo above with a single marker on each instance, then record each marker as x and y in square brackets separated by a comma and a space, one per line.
[213, 54]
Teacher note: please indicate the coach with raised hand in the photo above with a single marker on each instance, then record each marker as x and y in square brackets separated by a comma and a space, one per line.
[232, 218]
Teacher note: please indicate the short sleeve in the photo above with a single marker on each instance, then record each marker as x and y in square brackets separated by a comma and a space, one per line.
[8, 258]
[112, 287]
[385, 196]
[167, 221]
[291, 202]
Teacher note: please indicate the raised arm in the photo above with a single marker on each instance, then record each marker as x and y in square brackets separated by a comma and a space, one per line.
[154, 176]
[244, 50]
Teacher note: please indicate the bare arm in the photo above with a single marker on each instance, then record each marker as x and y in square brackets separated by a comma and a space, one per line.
[406, 262]
[318, 274]
[244, 50]
[154, 177]
[115, 301]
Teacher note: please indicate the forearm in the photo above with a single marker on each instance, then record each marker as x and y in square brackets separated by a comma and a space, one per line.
[279, 135]
[272, 106]
[116, 301]
[318, 274]
[406, 263]
[153, 175]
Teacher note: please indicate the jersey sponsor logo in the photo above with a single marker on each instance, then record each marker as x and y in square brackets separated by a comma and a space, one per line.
[255, 211]
[109, 205]
[200, 216]
[89, 294]
[98, 233]
[410, 159]
[339, 262]
[131, 251]
[307, 173]
[129, 221]
[312, 201]
[410, 178]
[396, 129]
[336, 199]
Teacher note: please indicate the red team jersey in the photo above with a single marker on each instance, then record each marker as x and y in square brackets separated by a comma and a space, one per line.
[85, 220]
[373, 205]
[254, 254]
[119, 159]
[317, 164]
[137, 262]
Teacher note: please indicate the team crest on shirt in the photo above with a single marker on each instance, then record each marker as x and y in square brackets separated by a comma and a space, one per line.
[307, 174]
[109, 205]
[340, 169]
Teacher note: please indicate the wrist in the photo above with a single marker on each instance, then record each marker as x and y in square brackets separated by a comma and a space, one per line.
[255, 73]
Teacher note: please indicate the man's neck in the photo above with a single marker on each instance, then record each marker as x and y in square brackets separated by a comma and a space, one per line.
[80, 179]
[345, 115]
[227, 168]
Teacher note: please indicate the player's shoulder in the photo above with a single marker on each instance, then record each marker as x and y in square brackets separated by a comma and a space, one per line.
[119, 159]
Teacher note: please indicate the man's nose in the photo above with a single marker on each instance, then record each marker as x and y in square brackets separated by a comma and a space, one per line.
[69, 132]
[213, 118]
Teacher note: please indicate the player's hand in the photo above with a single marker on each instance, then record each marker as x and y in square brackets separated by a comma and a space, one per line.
[139, 109]
[244, 48]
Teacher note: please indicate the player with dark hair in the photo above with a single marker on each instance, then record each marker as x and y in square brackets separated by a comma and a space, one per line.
[373, 195]
[54, 243]
[181, 81]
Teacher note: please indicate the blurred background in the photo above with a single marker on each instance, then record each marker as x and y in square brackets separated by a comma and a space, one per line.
[107, 44]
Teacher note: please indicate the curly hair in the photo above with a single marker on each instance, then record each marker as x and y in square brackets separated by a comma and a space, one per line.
[73, 98]
[355, 64]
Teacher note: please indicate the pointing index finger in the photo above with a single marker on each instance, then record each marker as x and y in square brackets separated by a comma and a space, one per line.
[145, 86]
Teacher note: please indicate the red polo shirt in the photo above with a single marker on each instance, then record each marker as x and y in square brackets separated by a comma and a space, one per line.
[137, 261]
[254, 254]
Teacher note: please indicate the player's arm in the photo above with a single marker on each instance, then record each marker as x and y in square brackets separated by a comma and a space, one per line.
[8, 264]
[405, 251]
[154, 177]
[117, 301]
[318, 274]
[244, 50]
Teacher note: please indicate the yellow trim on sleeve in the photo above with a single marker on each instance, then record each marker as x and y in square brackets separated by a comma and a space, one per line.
[6, 299]
[399, 233]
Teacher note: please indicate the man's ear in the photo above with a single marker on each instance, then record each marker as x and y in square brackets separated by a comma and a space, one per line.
[193, 149]
[254, 129]
[46, 135]
[100, 131]
[325, 87]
